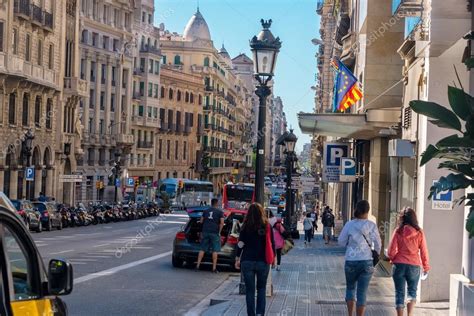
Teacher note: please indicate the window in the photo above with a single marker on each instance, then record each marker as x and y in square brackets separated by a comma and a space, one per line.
[142, 88]
[160, 145]
[1, 35]
[142, 64]
[156, 91]
[176, 147]
[143, 16]
[149, 111]
[185, 150]
[170, 94]
[51, 57]
[21, 264]
[150, 66]
[206, 61]
[105, 15]
[177, 60]
[162, 93]
[150, 19]
[101, 126]
[105, 42]
[114, 70]
[11, 108]
[24, 117]
[116, 17]
[140, 110]
[37, 111]
[155, 113]
[191, 98]
[91, 99]
[127, 20]
[28, 47]
[186, 97]
[40, 52]
[178, 96]
[200, 99]
[112, 102]
[93, 64]
[168, 145]
[49, 113]
[95, 39]
[115, 45]
[150, 89]
[91, 125]
[85, 37]
[103, 73]
[102, 100]
[164, 59]
[157, 67]
[15, 42]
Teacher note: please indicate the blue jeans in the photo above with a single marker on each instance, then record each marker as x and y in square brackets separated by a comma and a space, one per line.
[250, 270]
[405, 276]
[308, 234]
[358, 273]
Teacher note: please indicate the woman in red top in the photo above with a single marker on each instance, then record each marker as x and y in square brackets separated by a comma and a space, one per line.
[408, 253]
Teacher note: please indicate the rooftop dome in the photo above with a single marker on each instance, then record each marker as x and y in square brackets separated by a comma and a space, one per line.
[197, 28]
[224, 52]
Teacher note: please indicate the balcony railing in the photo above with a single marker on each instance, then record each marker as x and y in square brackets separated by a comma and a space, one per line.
[150, 49]
[37, 14]
[407, 8]
[171, 127]
[144, 144]
[22, 8]
[164, 126]
[209, 88]
[48, 20]
[187, 129]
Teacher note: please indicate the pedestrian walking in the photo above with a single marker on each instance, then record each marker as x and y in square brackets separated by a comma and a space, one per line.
[212, 222]
[278, 231]
[314, 216]
[409, 254]
[328, 221]
[308, 228]
[255, 254]
[360, 237]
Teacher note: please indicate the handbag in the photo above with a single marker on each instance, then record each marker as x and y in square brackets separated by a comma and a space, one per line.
[269, 254]
[375, 254]
[288, 245]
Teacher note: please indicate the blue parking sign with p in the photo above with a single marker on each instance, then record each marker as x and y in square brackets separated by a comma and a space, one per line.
[30, 174]
[335, 152]
[130, 182]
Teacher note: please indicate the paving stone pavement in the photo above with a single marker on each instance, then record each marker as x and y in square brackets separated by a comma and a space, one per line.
[312, 282]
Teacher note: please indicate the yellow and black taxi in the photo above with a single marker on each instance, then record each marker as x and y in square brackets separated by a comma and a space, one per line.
[26, 288]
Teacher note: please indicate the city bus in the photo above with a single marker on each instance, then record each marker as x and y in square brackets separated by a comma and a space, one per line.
[184, 193]
[240, 195]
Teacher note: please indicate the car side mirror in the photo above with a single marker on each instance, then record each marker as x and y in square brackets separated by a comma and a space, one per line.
[60, 277]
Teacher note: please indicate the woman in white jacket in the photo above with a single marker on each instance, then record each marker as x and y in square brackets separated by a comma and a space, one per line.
[359, 236]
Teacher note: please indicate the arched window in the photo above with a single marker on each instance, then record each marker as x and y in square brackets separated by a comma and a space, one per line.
[25, 112]
[37, 111]
[11, 108]
[178, 96]
[170, 94]
[177, 60]
[200, 99]
[162, 92]
[206, 61]
[186, 97]
[191, 98]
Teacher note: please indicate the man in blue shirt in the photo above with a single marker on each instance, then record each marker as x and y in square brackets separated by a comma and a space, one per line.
[212, 222]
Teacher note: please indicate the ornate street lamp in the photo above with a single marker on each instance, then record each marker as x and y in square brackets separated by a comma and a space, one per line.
[265, 48]
[289, 141]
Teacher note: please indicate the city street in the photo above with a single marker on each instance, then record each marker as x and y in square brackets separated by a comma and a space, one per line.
[137, 281]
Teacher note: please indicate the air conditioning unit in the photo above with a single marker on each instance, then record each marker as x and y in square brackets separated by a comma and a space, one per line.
[401, 148]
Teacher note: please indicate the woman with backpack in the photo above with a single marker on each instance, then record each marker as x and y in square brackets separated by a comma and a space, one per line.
[308, 228]
[360, 237]
[408, 253]
[255, 254]
[278, 231]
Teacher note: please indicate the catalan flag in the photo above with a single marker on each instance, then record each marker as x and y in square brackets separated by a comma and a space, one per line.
[346, 88]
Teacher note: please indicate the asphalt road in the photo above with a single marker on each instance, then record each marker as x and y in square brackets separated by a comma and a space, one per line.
[125, 268]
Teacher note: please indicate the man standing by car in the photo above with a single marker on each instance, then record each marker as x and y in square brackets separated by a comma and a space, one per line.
[212, 222]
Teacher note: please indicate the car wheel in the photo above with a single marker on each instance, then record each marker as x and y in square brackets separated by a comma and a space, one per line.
[49, 226]
[40, 227]
[177, 263]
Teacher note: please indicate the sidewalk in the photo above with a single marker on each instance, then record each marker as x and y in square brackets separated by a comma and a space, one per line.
[311, 282]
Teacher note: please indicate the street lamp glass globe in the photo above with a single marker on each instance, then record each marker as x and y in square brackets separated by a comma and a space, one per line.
[264, 61]
[290, 142]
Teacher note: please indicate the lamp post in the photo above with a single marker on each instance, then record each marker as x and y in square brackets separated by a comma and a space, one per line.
[290, 143]
[117, 169]
[265, 48]
[27, 148]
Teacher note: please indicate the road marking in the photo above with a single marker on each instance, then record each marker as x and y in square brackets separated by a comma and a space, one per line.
[120, 268]
[173, 222]
[141, 247]
[77, 262]
[97, 246]
[42, 245]
[60, 252]
[175, 215]
[83, 259]
[96, 256]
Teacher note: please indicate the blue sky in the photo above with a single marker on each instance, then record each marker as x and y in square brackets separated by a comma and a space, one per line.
[234, 22]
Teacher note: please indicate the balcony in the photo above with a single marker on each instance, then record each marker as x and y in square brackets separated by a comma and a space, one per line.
[76, 86]
[164, 126]
[36, 15]
[136, 95]
[171, 127]
[125, 140]
[150, 49]
[144, 144]
[48, 21]
[407, 8]
[22, 8]
[187, 130]
[138, 72]
[208, 88]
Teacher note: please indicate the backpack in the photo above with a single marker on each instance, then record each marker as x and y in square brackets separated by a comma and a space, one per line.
[328, 220]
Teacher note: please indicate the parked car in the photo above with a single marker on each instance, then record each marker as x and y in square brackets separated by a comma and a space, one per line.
[268, 181]
[186, 244]
[29, 214]
[50, 217]
[27, 287]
